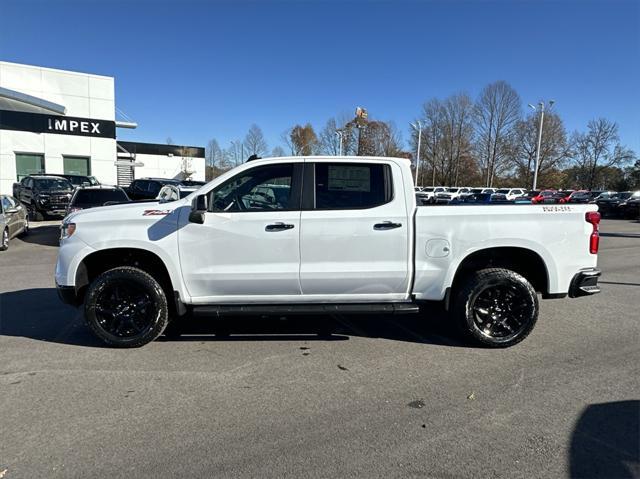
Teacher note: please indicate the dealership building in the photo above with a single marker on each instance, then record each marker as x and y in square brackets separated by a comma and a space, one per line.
[56, 121]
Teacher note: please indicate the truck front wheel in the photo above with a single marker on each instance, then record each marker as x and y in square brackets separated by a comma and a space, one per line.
[496, 307]
[126, 307]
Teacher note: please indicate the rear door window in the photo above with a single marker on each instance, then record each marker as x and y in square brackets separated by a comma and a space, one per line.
[345, 186]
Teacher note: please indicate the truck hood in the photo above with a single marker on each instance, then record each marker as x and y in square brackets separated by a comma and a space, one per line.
[126, 212]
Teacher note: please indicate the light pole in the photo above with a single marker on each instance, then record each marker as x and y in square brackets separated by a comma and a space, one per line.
[537, 165]
[340, 134]
[418, 127]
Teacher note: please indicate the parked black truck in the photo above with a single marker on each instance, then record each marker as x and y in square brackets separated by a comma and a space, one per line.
[44, 195]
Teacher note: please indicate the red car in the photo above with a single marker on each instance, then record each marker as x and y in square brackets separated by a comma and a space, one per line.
[545, 196]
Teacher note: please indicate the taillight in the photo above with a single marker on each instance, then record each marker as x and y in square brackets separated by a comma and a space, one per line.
[593, 217]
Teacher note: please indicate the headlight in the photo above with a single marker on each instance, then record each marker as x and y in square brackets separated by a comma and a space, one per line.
[67, 230]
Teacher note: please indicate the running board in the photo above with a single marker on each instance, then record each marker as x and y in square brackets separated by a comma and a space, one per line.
[307, 308]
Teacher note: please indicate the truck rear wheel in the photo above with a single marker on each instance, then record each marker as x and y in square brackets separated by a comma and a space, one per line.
[126, 307]
[496, 307]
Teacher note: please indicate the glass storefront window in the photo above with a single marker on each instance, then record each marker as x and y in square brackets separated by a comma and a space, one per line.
[76, 165]
[29, 164]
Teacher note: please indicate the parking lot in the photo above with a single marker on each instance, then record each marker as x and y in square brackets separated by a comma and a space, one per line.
[269, 397]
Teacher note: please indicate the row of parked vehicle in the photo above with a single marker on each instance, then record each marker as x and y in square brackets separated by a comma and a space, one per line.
[37, 197]
[48, 195]
[611, 203]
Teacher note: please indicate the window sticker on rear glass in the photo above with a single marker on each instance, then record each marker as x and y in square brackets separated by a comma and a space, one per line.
[349, 178]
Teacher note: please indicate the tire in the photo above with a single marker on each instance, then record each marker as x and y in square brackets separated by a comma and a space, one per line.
[36, 215]
[25, 230]
[4, 240]
[126, 308]
[496, 307]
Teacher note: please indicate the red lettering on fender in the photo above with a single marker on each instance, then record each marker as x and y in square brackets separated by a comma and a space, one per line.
[156, 212]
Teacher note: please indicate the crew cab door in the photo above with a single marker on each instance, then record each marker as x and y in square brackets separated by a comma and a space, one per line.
[248, 246]
[354, 239]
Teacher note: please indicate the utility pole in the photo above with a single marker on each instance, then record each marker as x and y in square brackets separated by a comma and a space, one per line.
[537, 165]
[418, 127]
[340, 135]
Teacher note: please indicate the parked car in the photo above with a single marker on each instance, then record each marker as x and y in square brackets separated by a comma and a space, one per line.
[580, 196]
[148, 188]
[480, 198]
[609, 206]
[91, 196]
[597, 195]
[451, 194]
[630, 208]
[545, 196]
[562, 196]
[427, 195]
[44, 195]
[190, 183]
[512, 193]
[174, 192]
[76, 180]
[347, 239]
[13, 220]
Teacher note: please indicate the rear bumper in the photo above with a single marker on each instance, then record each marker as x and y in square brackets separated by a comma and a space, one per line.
[67, 294]
[585, 283]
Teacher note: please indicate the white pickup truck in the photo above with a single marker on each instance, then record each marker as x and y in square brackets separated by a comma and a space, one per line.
[322, 235]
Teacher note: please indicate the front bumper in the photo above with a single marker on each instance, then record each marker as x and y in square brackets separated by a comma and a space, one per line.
[585, 283]
[67, 294]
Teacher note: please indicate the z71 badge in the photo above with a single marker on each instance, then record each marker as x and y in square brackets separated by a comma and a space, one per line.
[156, 212]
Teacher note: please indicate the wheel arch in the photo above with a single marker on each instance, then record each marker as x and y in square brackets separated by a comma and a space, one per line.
[524, 261]
[99, 261]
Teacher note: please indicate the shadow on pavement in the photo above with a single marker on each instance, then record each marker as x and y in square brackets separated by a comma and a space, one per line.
[620, 235]
[39, 314]
[46, 235]
[605, 441]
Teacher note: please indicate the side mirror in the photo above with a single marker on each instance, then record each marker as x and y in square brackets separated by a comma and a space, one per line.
[198, 209]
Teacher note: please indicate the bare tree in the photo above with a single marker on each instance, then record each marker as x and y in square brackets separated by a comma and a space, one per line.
[254, 142]
[597, 150]
[277, 152]
[496, 112]
[328, 142]
[555, 149]
[169, 140]
[213, 153]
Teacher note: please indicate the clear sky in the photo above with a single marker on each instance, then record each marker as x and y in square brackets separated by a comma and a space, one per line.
[195, 70]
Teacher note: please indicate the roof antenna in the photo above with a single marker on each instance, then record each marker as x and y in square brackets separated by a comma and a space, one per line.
[253, 157]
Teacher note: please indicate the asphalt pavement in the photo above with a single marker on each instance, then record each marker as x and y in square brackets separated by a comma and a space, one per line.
[273, 397]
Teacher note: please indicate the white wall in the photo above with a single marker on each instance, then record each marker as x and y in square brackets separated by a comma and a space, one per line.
[84, 95]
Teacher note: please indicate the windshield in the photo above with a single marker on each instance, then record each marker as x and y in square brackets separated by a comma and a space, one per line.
[98, 197]
[453, 190]
[427, 189]
[53, 184]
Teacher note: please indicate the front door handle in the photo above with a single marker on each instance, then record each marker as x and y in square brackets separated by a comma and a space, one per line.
[279, 226]
[386, 225]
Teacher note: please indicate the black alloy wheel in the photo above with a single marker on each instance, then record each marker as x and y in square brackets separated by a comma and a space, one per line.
[126, 307]
[496, 307]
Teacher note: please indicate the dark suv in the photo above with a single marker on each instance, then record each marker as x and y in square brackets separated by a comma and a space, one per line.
[148, 188]
[92, 196]
[44, 195]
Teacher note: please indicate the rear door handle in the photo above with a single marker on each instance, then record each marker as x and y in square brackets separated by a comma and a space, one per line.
[386, 225]
[279, 226]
